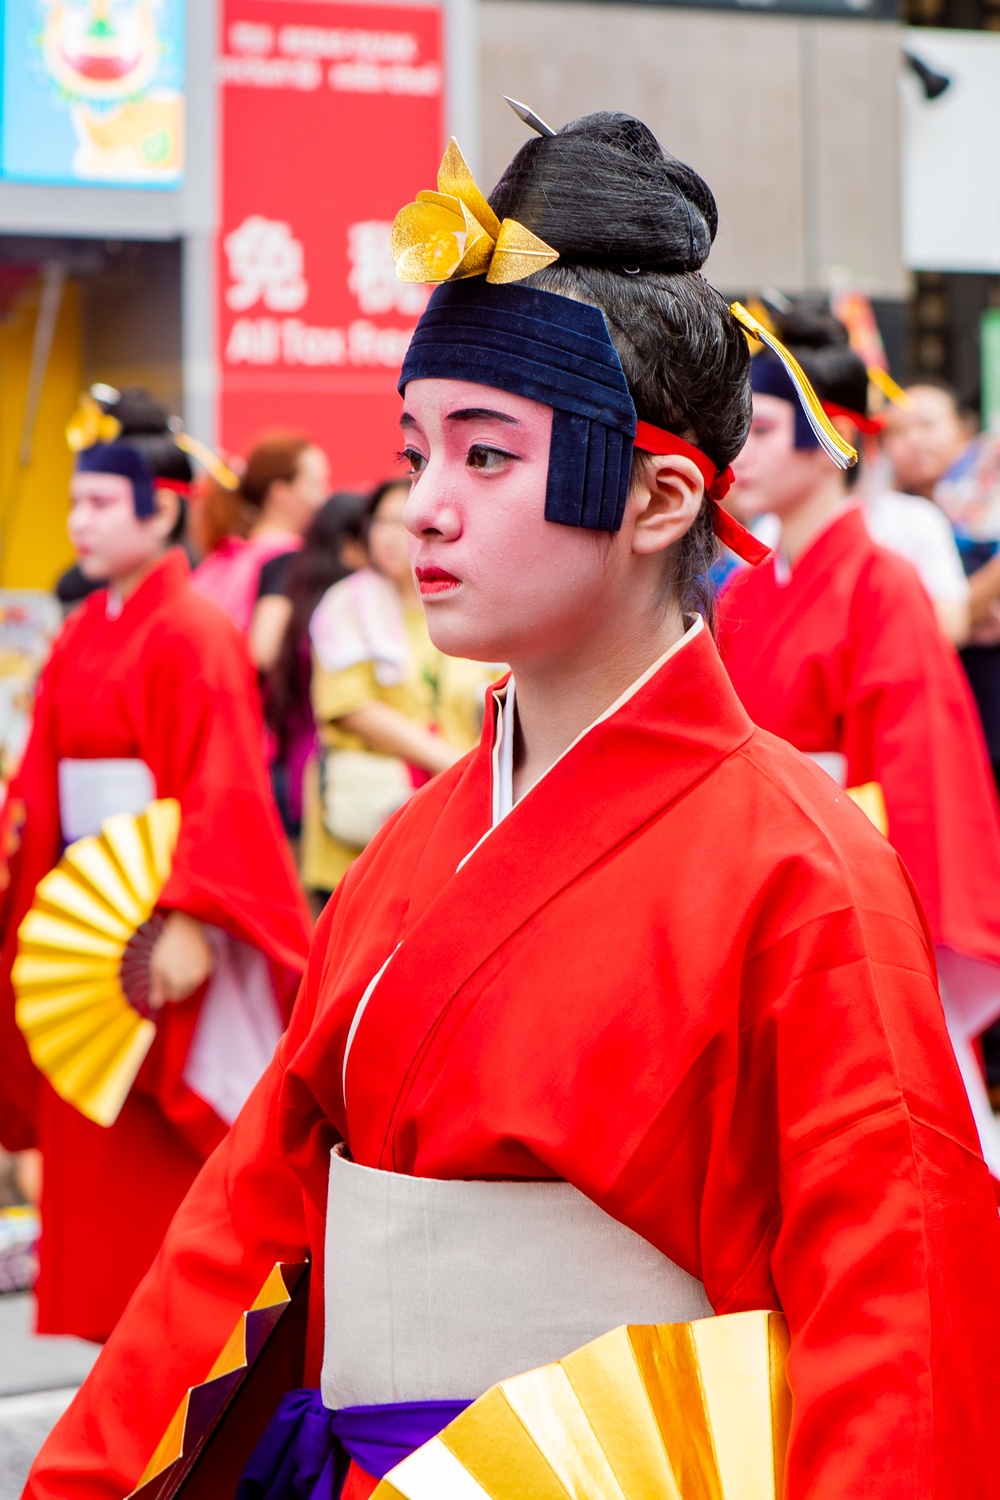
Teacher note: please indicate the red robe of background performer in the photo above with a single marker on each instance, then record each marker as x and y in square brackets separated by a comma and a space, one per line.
[167, 681]
[847, 656]
[683, 976]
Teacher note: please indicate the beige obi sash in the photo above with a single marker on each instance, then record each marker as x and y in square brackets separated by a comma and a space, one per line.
[437, 1290]
[92, 790]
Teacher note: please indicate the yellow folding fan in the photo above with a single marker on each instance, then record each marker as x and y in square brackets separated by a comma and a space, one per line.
[81, 976]
[676, 1411]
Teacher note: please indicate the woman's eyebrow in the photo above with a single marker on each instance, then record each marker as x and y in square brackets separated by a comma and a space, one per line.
[481, 413]
[407, 421]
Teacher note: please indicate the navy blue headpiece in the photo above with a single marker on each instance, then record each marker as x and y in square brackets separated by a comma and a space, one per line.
[126, 460]
[769, 378]
[550, 349]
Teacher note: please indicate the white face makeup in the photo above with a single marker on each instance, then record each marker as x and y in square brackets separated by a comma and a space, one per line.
[110, 540]
[771, 473]
[387, 539]
[498, 581]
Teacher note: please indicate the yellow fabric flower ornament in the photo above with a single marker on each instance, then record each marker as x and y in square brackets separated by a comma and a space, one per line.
[89, 425]
[453, 233]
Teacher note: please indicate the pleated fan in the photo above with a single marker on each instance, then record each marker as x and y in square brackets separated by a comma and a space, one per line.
[81, 976]
[676, 1411]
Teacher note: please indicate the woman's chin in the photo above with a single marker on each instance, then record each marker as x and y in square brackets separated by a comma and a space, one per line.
[455, 637]
[93, 567]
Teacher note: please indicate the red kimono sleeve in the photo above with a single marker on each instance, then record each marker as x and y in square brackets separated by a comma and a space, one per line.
[884, 1250]
[202, 725]
[29, 828]
[244, 1212]
[202, 736]
[910, 724]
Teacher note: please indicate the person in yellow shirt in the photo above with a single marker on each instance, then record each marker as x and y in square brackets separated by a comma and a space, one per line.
[391, 710]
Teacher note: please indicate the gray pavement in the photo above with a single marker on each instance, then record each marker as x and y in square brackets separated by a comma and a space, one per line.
[38, 1377]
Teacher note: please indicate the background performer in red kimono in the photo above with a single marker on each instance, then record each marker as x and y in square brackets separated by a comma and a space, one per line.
[833, 645]
[628, 1016]
[148, 693]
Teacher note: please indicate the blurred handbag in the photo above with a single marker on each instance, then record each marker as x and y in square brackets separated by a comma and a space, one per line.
[359, 790]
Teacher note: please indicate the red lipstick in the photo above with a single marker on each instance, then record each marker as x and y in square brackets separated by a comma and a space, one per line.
[431, 580]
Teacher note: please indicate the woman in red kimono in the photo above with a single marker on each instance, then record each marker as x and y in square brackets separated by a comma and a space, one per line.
[148, 693]
[627, 1017]
[832, 645]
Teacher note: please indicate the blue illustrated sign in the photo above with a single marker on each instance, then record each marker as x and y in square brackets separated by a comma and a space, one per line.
[93, 92]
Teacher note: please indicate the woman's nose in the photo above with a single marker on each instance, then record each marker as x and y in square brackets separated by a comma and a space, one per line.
[430, 509]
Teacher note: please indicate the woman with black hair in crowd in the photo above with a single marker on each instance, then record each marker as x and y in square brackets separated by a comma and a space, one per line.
[834, 645]
[148, 693]
[292, 587]
[627, 1017]
[391, 709]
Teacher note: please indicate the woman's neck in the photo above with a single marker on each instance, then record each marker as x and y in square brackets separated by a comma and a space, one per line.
[271, 523]
[124, 586]
[808, 518]
[559, 698]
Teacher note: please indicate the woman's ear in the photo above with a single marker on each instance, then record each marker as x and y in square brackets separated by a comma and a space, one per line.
[167, 513]
[848, 430]
[667, 494]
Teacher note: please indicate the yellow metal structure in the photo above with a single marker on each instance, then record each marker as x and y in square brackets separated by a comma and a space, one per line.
[34, 500]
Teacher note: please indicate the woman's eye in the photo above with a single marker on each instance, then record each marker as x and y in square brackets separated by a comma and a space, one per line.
[482, 457]
[416, 460]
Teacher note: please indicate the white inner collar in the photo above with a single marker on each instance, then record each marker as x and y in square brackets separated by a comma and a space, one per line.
[503, 746]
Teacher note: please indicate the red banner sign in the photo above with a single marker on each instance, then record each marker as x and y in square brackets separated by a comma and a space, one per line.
[332, 118]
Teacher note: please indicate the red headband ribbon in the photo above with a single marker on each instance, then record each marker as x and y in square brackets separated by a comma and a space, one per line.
[870, 426]
[180, 487]
[650, 439]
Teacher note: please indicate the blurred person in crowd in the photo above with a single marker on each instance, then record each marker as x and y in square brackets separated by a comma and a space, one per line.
[334, 538]
[284, 482]
[933, 449]
[291, 588]
[833, 644]
[217, 512]
[908, 524]
[391, 709]
[916, 529]
[924, 438]
[148, 693]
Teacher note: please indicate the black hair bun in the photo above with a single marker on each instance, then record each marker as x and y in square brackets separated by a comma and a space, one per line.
[811, 328]
[139, 412]
[603, 192]
[146, 427]
[821, 344]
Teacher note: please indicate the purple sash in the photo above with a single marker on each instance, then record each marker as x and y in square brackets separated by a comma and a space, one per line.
[306, 1448]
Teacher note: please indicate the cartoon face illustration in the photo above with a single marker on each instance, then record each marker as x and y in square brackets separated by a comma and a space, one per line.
[100, 51]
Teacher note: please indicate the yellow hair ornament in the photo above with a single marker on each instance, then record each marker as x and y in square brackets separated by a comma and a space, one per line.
[883, 381]
[89, 425]
[827, 435]
[195, 448]
[453, 233]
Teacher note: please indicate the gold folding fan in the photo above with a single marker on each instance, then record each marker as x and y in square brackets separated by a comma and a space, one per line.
[675, 1411]
[81, 976]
